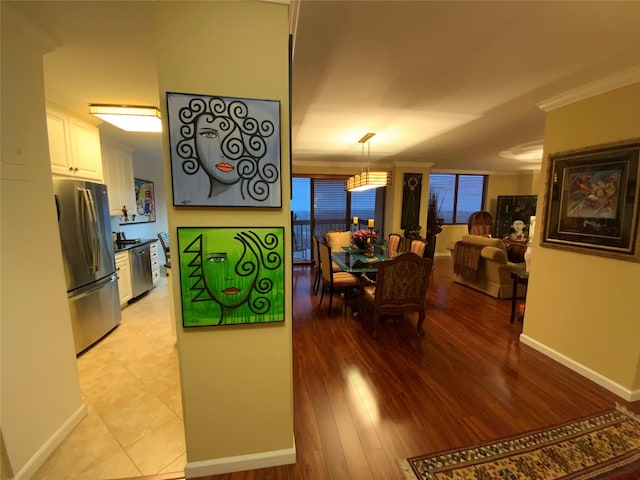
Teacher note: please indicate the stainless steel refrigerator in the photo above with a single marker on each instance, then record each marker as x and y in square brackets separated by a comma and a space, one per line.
[89, 259]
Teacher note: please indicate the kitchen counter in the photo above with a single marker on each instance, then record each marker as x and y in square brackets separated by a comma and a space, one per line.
[142, 241]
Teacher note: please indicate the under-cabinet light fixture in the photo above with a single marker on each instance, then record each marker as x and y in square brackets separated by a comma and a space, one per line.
[128, 117]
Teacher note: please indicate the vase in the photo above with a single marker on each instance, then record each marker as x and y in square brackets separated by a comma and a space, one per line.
[527, 256]
[430, 248]
[360, 244]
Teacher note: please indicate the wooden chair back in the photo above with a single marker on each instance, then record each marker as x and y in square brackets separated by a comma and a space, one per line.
[401, 287]
[393, 245]
[334, 282]
[164, 242]
[337, 239]
[417, 247]
[316, 263]
[325, 263]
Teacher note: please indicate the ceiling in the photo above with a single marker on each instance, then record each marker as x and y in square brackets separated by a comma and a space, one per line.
[452, 83]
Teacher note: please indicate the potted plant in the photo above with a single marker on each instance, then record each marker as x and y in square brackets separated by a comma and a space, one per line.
[434, 223]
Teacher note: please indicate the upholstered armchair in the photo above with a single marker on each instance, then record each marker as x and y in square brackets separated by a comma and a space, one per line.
[483, 264]
[480, 223]
[400, 288]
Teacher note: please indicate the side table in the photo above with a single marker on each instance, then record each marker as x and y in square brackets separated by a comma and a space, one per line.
[519, 277]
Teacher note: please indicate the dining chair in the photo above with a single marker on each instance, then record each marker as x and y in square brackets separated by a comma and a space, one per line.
[393, 245]
[164, 241]
[335, 282]
[400, 288]
[338, 238]
[417, 247]
[316, 265]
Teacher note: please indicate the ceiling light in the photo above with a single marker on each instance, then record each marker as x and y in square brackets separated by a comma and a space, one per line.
[526, 152]
[367, 180]
[129, 118]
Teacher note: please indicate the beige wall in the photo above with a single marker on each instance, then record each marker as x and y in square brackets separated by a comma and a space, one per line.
[583, 309]
[236, 381]
[40, 398]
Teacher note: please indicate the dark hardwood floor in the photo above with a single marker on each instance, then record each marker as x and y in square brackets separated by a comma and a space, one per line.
[361, 403]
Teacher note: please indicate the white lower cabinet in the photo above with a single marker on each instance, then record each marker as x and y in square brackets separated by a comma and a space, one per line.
[155, 265]
[123, 269]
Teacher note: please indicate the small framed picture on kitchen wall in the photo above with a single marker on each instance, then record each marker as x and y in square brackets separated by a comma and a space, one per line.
[225, 152]
[145, 208]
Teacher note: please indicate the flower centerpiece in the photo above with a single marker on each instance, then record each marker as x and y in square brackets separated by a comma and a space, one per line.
[361, 238]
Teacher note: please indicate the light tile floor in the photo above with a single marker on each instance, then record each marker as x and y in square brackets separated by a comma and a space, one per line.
[131, 387]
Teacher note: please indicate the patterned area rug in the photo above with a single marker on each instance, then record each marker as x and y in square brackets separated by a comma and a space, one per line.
[605, 446]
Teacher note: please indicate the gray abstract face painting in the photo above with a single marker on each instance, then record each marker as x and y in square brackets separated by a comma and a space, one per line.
[224, 151]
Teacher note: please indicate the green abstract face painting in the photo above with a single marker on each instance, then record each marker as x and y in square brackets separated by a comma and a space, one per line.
[231, 275]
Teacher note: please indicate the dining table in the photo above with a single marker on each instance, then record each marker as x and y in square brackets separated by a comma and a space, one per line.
[353, 260]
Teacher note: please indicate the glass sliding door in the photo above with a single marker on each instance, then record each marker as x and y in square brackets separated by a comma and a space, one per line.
[365, 207]
[301, 219]
[330, 207]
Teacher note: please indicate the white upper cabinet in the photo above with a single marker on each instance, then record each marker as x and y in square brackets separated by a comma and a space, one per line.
[118, 175]
[74, 146]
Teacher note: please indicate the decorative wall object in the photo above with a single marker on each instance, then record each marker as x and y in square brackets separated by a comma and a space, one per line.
[231, 275]
[591, 201]
[411, 190]
[145, 208]
[225, 152]
[510, 209]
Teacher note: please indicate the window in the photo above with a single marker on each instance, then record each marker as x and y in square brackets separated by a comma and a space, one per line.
[459, 195]
[320, 203]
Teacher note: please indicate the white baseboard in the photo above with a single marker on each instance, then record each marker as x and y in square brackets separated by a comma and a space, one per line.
[45, 451]
[240, 463]
[624, 393]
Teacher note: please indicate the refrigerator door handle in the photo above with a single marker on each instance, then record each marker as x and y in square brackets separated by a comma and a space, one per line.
[90, 241]
[88, 290]
[95, 238]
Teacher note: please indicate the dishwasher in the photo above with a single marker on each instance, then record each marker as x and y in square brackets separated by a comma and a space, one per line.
[141, 277]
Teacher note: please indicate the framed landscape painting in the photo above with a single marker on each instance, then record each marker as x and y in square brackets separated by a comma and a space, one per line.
[231, 275]
[225, 152]
[592, 198]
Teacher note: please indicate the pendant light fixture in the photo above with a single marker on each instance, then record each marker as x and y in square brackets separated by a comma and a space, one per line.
[129, 118]
[366, 180]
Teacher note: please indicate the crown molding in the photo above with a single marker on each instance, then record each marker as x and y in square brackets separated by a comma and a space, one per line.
[405, 163]
[618, 80]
